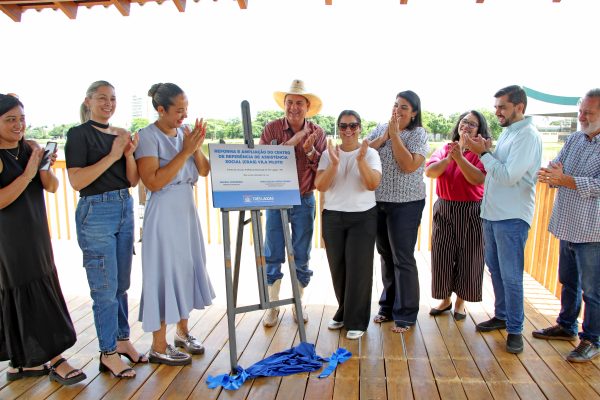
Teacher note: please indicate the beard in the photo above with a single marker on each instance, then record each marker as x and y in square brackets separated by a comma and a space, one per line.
[508, 120]
[591, 128]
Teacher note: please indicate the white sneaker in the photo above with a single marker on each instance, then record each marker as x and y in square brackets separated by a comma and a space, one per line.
[333, 324]
[352, 335]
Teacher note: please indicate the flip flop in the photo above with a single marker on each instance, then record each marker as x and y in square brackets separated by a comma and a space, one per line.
[380, 318]
[69, 378]
[27, 373]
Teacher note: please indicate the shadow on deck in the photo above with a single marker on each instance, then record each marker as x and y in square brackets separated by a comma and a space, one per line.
[439, 358]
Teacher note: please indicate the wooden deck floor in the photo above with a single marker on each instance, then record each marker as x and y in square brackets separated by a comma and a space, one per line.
[439, 358]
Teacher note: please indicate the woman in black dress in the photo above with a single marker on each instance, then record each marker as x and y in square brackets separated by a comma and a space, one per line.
[35, 326]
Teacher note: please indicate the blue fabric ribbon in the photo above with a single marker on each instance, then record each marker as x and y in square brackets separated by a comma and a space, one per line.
[338, 357]
[301, 358]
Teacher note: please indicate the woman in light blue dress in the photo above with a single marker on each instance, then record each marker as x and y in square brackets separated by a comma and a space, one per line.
[175, 280]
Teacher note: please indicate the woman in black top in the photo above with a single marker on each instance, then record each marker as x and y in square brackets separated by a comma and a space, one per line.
[101, 167]
[35, 326]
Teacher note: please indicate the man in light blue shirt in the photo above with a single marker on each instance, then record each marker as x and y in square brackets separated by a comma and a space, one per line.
[507, 209]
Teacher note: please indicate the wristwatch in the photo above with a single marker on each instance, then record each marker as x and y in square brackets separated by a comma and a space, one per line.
[485, 152]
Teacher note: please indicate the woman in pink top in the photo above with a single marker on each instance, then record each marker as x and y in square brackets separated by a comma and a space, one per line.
[457, 239]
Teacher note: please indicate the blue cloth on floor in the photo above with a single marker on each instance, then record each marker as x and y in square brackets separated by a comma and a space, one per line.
[301, 358]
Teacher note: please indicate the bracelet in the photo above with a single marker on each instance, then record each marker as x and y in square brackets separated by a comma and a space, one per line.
[482, 154]
[311, 152]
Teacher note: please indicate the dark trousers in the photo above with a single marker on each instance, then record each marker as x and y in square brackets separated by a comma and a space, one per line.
[397, 228]
[350, 244]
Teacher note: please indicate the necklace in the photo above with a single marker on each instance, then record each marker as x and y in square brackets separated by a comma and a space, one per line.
[98, 124]
[16, 157]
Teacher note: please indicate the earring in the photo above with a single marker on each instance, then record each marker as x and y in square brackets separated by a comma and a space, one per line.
[412, 119]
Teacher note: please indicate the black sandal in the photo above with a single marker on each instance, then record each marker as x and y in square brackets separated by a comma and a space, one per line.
[103, 368]
[69, 378]
[26, 373]
[140, 359]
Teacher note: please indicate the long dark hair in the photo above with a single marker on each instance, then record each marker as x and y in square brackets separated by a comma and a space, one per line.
[415, 103]
[8, 102]
[482, 130]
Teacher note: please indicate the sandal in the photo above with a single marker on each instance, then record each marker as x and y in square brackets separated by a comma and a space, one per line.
[26, 373]
[70, 378]
[381, 318]
[103, 368]
[140, 359]
[400, 329]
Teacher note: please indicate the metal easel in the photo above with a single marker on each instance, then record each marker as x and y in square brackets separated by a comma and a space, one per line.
[232, 278]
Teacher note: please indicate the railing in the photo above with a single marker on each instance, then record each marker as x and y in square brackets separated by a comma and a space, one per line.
[541, 251]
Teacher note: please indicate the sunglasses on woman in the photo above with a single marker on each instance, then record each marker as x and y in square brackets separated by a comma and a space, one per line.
[352, 125]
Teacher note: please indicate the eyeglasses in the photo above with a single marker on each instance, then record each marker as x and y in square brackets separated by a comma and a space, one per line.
[468, 123]
[352, 125]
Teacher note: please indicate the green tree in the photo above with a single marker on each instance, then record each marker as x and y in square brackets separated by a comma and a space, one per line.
[38, 132]
[490, 117]
[262, 119]
[436, 123]
[327, 122]
[138, 123]
[233, 129]
[215, 129]
[60, 131]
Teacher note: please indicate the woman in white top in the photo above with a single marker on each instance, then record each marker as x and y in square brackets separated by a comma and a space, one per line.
[349, 174]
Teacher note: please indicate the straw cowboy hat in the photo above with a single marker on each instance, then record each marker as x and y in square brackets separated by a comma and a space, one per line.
[297, 87]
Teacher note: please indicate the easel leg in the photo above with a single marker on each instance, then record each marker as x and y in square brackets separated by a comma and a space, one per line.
[294, 278]
[238, 255]
[229, 292]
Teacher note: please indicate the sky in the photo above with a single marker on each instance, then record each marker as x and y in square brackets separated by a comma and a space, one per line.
[355, 54]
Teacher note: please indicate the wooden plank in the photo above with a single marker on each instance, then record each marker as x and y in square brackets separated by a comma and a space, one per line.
[13, 12]
[267, 388]
[216, 345]
[422, 380]
[123, 6]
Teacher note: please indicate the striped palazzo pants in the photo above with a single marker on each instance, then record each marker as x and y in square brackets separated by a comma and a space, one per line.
[457, 250]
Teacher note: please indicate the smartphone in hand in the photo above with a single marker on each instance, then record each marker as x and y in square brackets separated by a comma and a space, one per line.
[48, 151]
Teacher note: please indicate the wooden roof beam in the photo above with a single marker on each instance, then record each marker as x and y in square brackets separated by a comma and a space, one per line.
[243, 4]
[479, 1]
[123, 6]
[68, 7]
[14, 12]
[328, 2]
[180, 4]
[403, 1]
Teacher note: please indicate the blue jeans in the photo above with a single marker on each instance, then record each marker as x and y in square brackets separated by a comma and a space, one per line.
[579, 271]
[105, 235]
[302, 218]
[397, 229]
[504, 243]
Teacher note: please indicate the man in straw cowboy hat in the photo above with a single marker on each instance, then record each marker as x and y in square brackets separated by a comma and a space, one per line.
[309, 142]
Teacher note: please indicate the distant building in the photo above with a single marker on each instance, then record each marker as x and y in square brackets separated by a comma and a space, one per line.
[141, 107]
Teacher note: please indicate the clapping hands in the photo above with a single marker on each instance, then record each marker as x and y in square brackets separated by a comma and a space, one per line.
[194, 138]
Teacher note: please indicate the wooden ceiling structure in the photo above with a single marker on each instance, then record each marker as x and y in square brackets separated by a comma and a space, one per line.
[15, 8]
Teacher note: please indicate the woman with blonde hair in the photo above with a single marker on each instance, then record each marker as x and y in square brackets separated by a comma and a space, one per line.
[101, 167]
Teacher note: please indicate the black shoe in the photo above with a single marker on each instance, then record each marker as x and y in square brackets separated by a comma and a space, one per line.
[491, 325]
[514, 343]
[555, 332]
[437, 311]
[585, 351]
[458, 316]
